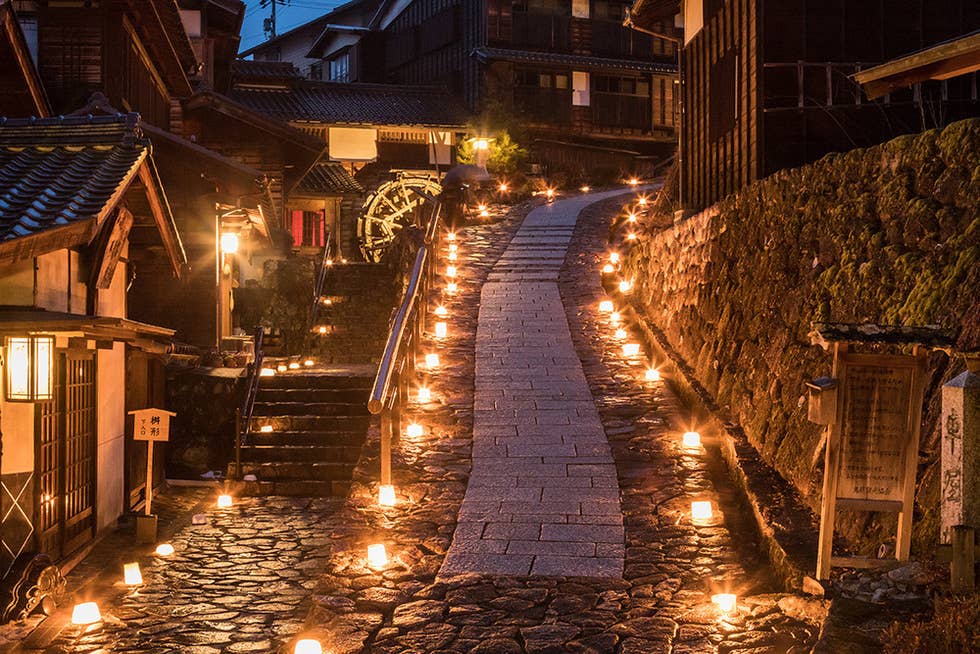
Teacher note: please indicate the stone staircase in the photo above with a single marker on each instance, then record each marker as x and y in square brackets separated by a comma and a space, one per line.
[319, 421]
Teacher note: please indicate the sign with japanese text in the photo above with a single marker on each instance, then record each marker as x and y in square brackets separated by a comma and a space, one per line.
[151, 424]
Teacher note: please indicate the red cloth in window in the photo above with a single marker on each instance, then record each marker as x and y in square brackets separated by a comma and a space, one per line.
[296, 227]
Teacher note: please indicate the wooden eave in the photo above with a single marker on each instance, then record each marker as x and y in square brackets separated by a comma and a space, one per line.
[162, 216]
[225, 105]
[22, 60]
[19, 320]
[174, 55]
[943, 61]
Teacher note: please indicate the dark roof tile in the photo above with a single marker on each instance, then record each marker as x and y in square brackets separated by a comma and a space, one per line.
[328, 179]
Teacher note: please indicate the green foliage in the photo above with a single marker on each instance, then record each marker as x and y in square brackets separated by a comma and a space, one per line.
[953, 629]
[506, 157]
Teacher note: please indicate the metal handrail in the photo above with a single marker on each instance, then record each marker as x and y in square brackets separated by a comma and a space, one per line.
[404, 335]
[321, 277]
[243, 416]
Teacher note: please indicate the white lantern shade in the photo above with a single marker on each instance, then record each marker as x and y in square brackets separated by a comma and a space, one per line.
[377, 556]
[692, 439]
[132, 575]
[441, 330]
[229, 243]
[308, 646]
[85, 613]
[29, 369]
[701, 510]
[386, 495]
[724, 601]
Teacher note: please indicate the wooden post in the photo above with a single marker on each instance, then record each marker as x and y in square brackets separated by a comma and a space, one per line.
[386, 446]
[825, 545]
[903, 540]
[961, 576]
[149, 477]
[238, 444]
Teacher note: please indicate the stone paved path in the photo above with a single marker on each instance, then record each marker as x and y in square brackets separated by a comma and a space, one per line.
[542, 497]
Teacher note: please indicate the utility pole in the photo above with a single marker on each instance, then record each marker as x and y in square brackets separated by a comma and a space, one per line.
[270, 22]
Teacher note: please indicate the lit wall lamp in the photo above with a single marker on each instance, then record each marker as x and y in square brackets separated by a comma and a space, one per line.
[29, 368]
[229, 243]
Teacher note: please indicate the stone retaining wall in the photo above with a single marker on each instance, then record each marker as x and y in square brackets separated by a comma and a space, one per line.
[888, 234]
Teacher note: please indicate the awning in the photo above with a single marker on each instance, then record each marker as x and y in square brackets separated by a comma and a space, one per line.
[152, 338]
[951, 58]
[576, 62]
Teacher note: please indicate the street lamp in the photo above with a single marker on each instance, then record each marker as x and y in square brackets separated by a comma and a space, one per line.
[29, 368]
[229, 243]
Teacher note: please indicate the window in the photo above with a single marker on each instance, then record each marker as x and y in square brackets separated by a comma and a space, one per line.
[340, 68]
[542, 80]
[308, 228]
[316, 71]
[603, 10]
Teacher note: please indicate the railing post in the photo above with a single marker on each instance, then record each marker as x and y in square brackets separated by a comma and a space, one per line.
[238, 444]
[386, 429]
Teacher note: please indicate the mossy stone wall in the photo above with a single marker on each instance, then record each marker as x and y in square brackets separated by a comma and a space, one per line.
[888, 234]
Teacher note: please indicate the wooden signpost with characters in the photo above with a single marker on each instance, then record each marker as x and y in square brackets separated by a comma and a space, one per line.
[152, 426]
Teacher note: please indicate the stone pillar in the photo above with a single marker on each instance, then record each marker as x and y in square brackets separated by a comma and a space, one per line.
[960, 490]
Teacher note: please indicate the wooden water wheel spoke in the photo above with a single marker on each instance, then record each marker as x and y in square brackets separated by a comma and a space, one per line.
[390, 208]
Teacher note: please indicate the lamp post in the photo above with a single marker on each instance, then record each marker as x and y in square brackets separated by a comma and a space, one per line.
[227, 227]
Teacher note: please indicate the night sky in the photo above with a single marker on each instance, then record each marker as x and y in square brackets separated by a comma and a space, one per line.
[289, 15]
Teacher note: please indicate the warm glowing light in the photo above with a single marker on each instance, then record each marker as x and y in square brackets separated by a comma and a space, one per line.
[308, 646]
[643, 202]
[224, 501]
[585, 189]
[386, 495]
[85, 613]
[441, 310]
[701, 510]
[614, 257]
[267, 372]
[621, 333]
[452, 256]
[693, 439]
[631, 236]
[631, 218]
[606, 306]
[29, 368]
[451, 236]
[414, 430]
[625, 285]
[481, 144]
[229, 243]
[322, 329]
[326, 301]
[165, 549]
[484, 214]
[450, 271]
[652, 374]
[614, 317]
[634, 181]
[550, 193]
[724, 601]
[452, 287]
[281, 367]
[132, 575]
[377, 556]
[431, 360]
[481, 207]
[293, 365]
[343, 260]
[608, 269]
[308, 363]
[329, 262]
[425, 395]
[631, 349]
[502, 188]
[453, 247]
[441, 330]
[265, 429]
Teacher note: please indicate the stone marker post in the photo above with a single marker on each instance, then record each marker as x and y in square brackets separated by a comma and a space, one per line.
[961, 474]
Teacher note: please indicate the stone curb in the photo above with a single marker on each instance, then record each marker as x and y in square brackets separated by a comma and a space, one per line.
[753, 478]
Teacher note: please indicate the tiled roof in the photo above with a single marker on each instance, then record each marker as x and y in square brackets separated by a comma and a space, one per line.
[578, 62]
[55, 172]
[243, 69]
[328, 179]
[355, 104]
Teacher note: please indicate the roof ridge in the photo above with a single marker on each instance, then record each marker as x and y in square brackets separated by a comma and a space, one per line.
[130, 119]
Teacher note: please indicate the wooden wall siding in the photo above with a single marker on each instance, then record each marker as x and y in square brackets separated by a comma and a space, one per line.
[581, 36]
[70, 43]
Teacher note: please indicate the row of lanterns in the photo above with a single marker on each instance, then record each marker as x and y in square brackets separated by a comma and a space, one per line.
[701, 510]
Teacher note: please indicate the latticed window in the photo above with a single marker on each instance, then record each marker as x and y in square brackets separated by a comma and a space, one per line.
[340, 68]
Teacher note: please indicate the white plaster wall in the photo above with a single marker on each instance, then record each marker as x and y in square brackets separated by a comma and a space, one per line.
[110, 399]
[52, 281]
[112, 301]
[17, 425]
[17, 284]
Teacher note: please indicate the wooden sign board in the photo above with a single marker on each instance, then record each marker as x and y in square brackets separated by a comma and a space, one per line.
[872, 446]
[151, 424]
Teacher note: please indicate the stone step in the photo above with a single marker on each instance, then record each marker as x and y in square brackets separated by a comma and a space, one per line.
[298, 471]
[326, 395]
[291, 488]
[334, 423]
[263, 408]
[301, 453]
[362, 379]
[348, 438]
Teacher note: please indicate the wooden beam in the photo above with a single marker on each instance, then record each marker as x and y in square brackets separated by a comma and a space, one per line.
[161, 216]
[943, 61]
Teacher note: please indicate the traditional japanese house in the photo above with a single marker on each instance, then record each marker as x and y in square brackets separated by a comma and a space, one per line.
[589, 91]
[772, 85]
[82, 201]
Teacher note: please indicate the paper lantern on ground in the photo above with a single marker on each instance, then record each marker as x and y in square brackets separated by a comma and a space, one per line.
[164, 549]
[224, 501]
[308, 646]
[386, 495]
[652, 375]
[425, 395]
[693, 439]
[606, 306]
[701, 510]
[132, 575]
[724, 601]
[377, 556]
[86, 613]
[631, 349]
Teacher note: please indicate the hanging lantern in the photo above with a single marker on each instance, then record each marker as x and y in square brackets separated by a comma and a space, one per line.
[29, 368]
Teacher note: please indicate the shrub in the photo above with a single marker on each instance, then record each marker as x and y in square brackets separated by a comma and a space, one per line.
[954, 628]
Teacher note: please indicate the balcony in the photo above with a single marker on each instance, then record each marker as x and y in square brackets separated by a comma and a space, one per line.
[538, 105]
[611, 39]
[533, 31]
[612, 110]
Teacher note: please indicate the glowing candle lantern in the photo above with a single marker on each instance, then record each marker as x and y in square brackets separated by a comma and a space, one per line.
[308, 646]
[267, 372]
[265, 429]
[450, 271]
[451, 236]
[441, 330]
[585, 188]
[631, 349]
[502, 188]
[625, 285]
[484, 214]
[608, 269]
[281, 367]
[293, 365]
[693, 439]
[643, 202]
[343, 260]
[452, 256]
[631, 218]
[652, 375]
[229, 243]
[614, 257]
[481, 207]
[29, 368]
[614, 317]
[85, 613]
[621, 333]
[431, 360]
[165, 549]
[606, 306]
[701, 510]
[452, 287]
[308, 363]
[631, 236]
[453, 247]
[386, 495]
[634, 181]
[441, 310]
[224, 501]
[132, 575]
[724, 601]
[377, 556]
[322, 329]
[425, 395]
[414, 430]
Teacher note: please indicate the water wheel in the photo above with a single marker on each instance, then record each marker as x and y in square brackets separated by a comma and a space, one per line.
[391, 207]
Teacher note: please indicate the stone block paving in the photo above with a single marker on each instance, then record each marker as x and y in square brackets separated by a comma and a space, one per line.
[542, 497]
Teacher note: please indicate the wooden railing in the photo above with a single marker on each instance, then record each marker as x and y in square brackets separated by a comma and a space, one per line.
[398, 361]
[243, 416]
[321, 276]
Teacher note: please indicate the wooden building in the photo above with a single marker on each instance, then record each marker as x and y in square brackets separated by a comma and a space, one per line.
[81, 201]
[771, 85]
[585, 87]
